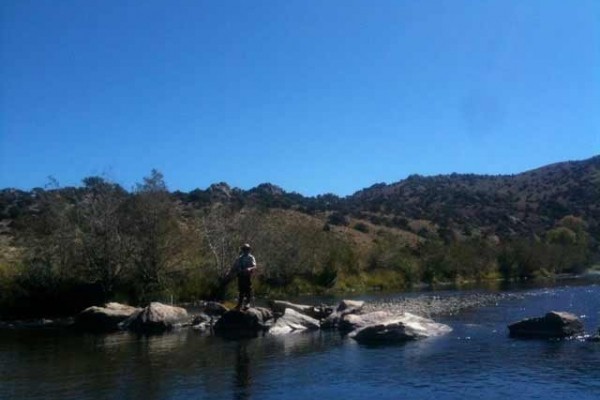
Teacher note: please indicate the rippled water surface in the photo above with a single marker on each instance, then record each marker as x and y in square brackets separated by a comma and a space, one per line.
[476, 360]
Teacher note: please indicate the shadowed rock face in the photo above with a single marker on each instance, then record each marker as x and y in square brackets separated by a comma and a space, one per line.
[555, 324]
[156, 317]
[400, 329]
[244, 324]
[103, 319]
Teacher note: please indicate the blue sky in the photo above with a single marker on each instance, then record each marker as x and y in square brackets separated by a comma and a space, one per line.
[315, 96]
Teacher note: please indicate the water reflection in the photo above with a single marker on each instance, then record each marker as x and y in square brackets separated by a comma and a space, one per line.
[243, 377]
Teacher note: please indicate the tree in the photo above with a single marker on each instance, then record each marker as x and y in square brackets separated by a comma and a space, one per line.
[105, 244]
[154, 225]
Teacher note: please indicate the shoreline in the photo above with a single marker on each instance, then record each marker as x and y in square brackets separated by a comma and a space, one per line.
[426, 303]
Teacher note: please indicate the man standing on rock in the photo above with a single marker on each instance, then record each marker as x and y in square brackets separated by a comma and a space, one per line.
[244, 267]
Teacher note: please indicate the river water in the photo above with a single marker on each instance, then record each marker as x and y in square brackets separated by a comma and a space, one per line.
[476, 360]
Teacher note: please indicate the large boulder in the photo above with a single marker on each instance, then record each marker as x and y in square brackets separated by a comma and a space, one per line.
[554, 324]
[293, 321]
[352, 322]
[156, 318]
[103, 319]
[317, 312]
[345, 307]
[244, 323]
[400, 329]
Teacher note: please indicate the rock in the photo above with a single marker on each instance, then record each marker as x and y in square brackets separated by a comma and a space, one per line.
[554, 324]
[351, 322]
[317, 312]
[200, 318]
[344, 308]
[346, 305]
[156, 317]
[243, 324]
[213, 308]
[203, 322]
[293, 321]
[400, 329]
[103, 319]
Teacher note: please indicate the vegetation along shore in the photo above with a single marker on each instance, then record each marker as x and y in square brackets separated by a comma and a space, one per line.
[65, 248]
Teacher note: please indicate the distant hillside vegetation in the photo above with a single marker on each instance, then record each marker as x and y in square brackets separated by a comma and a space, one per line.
[505, 205]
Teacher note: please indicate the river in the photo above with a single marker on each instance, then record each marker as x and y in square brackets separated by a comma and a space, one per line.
[476, 360]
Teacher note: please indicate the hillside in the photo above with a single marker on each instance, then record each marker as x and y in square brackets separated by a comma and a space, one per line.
[505, 205]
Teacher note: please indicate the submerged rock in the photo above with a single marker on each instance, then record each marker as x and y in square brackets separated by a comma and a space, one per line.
[156, 317]
[554, 324]
[293, 321]
[103, 319]
[244, 323]
[400, 329]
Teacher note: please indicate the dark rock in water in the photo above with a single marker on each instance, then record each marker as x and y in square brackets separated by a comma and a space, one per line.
[344, 308]
[317, 312]
[103, 319]
[351, 322]
[155, 318]
[244, 323]
[400, 329]
[293, 321]
[213, 308]
[555, 324]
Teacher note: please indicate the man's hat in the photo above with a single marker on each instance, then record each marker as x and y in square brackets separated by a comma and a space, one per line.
[245, 246]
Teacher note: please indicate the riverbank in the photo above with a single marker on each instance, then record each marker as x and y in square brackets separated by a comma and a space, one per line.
[427, 302]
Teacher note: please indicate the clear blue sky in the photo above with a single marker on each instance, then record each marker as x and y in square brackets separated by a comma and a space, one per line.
[315, 96]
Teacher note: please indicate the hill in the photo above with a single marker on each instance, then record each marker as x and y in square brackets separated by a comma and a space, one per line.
[505, 205]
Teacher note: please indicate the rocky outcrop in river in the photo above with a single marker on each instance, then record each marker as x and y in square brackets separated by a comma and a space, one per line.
[156, 317]
[346, 307]
[244, 323]
[293, 321]
[399, 329]
[554, 324]
[103, 319]
[316, 312]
